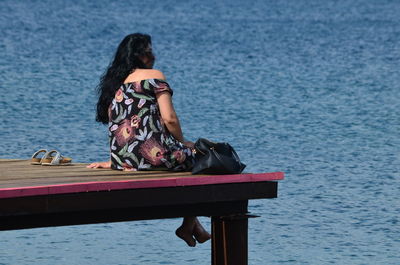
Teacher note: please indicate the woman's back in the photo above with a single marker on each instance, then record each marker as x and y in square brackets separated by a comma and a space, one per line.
[139, 139]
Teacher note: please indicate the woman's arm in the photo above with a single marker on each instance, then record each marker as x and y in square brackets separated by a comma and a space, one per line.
[169, 116]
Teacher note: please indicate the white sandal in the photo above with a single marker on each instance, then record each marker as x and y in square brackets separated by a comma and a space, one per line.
[35, 160]
[54, 158]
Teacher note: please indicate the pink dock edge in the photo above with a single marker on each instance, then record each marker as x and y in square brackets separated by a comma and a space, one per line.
[137, 184]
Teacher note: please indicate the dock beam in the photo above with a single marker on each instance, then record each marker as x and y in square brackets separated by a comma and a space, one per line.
[229, 239]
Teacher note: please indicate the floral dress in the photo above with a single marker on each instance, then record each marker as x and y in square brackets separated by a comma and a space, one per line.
[139, 139]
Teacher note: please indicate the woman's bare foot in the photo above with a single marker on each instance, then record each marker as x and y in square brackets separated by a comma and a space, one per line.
[186, 236]
[200, 233]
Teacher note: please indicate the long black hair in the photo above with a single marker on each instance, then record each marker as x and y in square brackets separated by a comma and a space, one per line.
[127, 58]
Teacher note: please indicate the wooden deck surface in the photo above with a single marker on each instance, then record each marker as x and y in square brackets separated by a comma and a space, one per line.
[19, 178]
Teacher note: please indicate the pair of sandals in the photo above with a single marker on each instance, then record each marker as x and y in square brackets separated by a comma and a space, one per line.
[49, 158]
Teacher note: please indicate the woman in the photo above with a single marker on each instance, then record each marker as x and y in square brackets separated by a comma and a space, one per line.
[135, 100]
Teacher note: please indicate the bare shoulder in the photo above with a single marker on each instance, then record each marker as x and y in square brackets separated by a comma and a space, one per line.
[152, 73]
[141, 74]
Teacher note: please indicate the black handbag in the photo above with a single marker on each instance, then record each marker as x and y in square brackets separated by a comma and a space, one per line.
[216, 158]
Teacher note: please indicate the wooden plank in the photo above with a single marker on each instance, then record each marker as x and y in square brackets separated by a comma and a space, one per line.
[21, 173]
[136, 198]
[135, 184]
[38, 181]
[22, 169]
[4, 160]
[121, 215]
[19, 178]
[133, 204]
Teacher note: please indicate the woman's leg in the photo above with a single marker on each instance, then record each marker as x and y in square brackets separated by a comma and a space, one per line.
[185, 231]
[190, 227]
[200, 233]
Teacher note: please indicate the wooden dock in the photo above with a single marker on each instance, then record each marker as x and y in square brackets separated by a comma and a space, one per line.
[43, 196]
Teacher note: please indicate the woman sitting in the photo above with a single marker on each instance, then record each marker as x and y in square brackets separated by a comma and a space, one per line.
[145, 134]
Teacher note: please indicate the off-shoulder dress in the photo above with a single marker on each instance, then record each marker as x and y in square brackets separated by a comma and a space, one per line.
[139, 140]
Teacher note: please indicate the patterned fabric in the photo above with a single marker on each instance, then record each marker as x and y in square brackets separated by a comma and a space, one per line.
[139, 139]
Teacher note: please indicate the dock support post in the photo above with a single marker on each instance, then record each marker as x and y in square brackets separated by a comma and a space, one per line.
[229, 240]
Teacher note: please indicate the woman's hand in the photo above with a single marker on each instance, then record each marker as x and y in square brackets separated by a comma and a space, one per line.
[100, 165]
[188, 144]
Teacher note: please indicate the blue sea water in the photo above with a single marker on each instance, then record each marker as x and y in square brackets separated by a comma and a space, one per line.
[311, 88]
